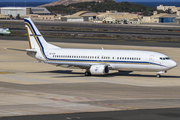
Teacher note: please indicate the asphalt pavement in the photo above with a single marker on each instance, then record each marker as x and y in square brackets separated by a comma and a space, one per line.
[148, 114]
[108, 41]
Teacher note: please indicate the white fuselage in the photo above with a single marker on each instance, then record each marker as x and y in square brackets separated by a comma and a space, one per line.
[125, 60]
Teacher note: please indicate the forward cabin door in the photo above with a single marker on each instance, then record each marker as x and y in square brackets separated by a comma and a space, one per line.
[151, 59]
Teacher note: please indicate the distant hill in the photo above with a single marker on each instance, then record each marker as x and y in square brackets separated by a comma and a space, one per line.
[101, 7]
[67, 2]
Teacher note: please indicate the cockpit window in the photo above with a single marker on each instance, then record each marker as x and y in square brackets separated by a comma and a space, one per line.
[164, 58]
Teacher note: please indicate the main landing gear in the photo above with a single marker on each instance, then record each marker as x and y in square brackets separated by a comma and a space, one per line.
[87, 73]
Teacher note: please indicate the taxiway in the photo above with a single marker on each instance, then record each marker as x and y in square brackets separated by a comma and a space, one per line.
[31, 88]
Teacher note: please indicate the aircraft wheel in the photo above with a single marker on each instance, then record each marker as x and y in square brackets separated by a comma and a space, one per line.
[158, 75]
[87, 74]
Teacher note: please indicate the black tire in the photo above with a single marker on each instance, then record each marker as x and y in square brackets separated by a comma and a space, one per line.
[87, 74]
[158, 75]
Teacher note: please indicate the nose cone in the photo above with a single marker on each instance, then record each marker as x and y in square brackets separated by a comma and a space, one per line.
[173, 64]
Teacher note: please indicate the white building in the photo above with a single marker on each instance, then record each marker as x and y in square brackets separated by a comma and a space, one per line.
[14, 11]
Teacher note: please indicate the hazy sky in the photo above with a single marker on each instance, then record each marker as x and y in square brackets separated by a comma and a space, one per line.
[115, 0]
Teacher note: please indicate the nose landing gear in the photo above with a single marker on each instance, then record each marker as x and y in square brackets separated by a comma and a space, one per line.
[158, 75]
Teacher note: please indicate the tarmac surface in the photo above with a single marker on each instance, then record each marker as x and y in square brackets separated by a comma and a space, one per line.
[88, 28]
[103, 41]
[48, 92]
[115, 33]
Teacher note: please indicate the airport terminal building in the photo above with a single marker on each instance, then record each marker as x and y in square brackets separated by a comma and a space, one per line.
[14, 11]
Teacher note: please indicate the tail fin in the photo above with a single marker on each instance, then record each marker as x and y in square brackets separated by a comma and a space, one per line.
[36, 41]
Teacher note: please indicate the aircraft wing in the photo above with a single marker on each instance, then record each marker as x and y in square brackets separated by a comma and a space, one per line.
[70, 64]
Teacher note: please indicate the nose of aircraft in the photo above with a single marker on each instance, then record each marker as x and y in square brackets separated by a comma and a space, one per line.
[173, 64]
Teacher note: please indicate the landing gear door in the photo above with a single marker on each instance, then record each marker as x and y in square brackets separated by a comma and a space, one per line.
[151, 59]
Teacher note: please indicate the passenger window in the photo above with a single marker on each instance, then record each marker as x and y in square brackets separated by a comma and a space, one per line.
[117, 57]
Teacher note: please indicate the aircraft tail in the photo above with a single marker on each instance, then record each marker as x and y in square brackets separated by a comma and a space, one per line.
[37, 43]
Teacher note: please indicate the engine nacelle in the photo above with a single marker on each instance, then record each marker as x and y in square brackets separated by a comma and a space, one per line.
[99, 69]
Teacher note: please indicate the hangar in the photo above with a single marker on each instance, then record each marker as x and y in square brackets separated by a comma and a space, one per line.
[14, 11]
[163, 18]
[87, 15]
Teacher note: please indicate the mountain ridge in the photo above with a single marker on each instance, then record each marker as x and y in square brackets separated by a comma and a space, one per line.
[67, 2]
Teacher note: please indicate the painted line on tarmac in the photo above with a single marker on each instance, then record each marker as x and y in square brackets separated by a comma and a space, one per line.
[75, 99]
[113, 105]
[150, 41]
[6, 73]
[54, 97]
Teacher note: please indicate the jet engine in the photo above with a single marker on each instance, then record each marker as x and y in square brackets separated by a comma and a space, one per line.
[99, 69]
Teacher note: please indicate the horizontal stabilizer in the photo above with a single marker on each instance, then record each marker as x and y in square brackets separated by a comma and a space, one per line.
[31, 50]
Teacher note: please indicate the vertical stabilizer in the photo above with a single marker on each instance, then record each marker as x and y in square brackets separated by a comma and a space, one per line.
[35, 38]
[36, 41]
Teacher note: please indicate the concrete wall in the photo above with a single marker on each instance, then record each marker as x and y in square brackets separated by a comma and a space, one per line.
[154, 20]
[176, 21]
[75, 20]
[43, 17]
[146, 19]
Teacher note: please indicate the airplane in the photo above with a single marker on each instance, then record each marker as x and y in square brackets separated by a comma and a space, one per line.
[5, 31]
[95, 61]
